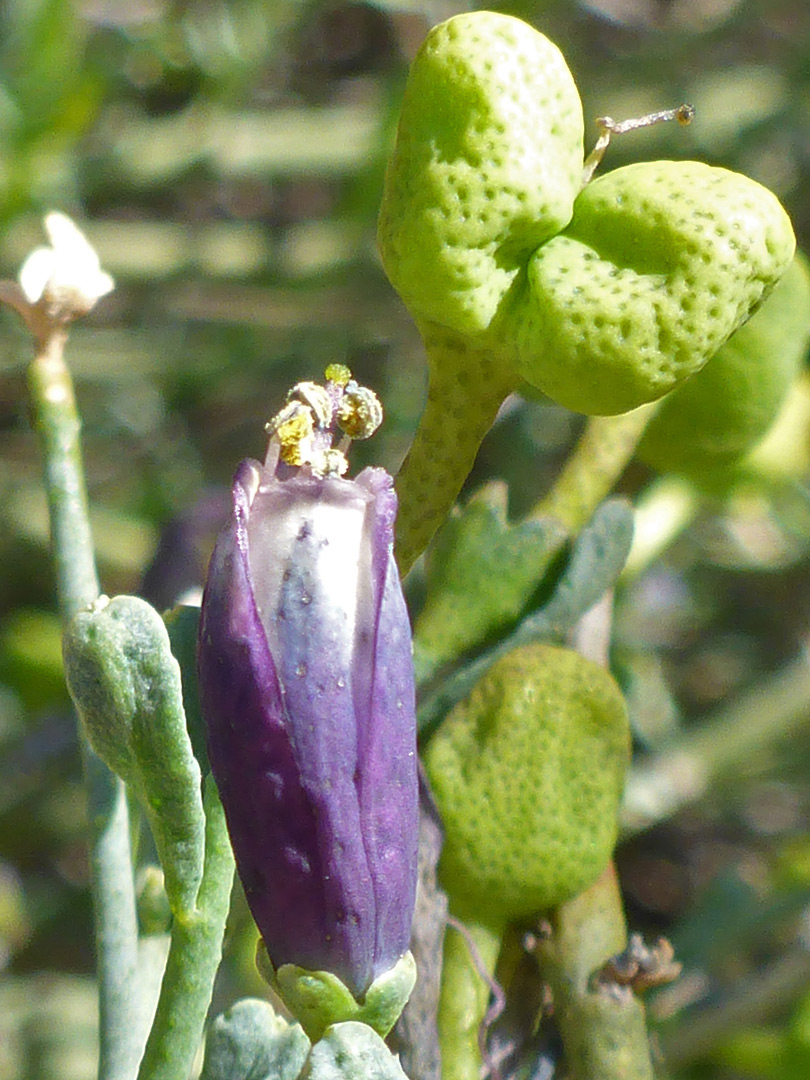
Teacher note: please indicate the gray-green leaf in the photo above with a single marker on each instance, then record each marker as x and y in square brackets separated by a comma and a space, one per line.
[352, 1051]
[596, 561]
[252, 1042]
[126, 686]
[481, 574]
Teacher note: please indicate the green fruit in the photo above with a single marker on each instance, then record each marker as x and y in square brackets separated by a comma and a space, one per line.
[487, 164]
[660, 264]
[723, 411]
[527, 774]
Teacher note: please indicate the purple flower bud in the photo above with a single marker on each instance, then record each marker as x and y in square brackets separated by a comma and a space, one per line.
[306, 682]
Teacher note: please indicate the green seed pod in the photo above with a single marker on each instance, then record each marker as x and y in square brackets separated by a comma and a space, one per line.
[527, 773]
[125, 684]
[711, 421]
[487, 164]
[661, 263]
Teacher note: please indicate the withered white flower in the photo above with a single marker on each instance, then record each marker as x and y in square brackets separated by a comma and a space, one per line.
[67, 275]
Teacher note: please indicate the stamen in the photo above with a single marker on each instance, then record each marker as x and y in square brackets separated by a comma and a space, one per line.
[684, 114]
[360, 412]
[293, 429]
[329, 463]
[304, 430]
[317, 398]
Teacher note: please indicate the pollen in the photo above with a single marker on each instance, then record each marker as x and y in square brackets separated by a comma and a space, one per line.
[293, 428]
[360, 412]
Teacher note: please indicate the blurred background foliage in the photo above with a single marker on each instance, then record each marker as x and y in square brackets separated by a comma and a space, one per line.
[225, 157]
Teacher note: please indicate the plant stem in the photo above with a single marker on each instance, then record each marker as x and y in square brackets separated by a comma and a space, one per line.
[603, 1025]
[681, 772]
[467, 387]
[603, 1028]
[597, 461]
[463, 1000]
[662, 512]
[194, 955]
[56, 420]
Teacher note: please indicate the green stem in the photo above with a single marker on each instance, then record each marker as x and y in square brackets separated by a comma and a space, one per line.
[598, 460]
[661, 513]
[603, 1029]
[194, 955]
[56, 420]
[467, 387]
[775, 711]
[463, 999]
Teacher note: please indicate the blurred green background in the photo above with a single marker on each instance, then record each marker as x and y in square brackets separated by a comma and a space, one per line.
[225, 158]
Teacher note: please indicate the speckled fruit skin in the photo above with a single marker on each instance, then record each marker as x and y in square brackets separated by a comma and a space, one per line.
[718, 415]
[660, 264]
[487, 164]
[527, 773]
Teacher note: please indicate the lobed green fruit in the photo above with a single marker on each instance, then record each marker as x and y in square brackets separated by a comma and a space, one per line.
[660, 264]
[719, 414]
[527, 773]
[487, 164]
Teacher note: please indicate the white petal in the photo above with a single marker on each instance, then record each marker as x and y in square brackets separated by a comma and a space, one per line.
[36, 272]
[68, 239]
[68, 274]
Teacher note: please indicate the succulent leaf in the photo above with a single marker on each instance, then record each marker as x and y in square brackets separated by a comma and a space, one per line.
[481, 574]
[352, 1051]
[252, 1042]
[126, 685]
[527, 773]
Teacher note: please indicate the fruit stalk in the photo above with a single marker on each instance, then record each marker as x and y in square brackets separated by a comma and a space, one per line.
[467, 387]
[603, 1027]
[600, 457]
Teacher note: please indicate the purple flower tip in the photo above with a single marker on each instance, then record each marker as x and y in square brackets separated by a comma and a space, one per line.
[306, 682]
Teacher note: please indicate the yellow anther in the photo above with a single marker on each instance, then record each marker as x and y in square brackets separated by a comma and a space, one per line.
[316, 398]
[292, 427]
[360, 412]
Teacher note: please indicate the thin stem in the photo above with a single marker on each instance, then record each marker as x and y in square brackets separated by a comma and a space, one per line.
[662, 512]
[464, 998]
[194, 955]
[603, 1027]
[56, 420]
[597, 461]
[680, 773]
[602, 1024]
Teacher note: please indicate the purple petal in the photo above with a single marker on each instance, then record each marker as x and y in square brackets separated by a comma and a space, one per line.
[307, 688]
